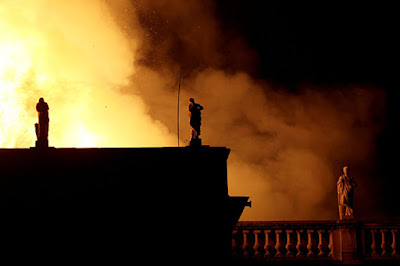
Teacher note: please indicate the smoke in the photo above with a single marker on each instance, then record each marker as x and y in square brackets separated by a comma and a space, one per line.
[287, 149]
[110, 69]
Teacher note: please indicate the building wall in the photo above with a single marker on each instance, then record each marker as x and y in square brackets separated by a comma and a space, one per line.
[111, 204]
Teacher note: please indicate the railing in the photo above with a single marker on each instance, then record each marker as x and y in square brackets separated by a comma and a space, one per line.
[381, 241]
[324, 241]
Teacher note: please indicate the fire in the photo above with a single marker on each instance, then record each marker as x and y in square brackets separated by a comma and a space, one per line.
[14, 67]
[75, 56]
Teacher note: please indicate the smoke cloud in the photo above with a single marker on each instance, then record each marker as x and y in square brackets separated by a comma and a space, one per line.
[110, 69]
[287, 149]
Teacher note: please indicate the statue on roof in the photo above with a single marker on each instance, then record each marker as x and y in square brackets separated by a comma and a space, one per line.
[195, 122]
[42, 128]
[345, 190]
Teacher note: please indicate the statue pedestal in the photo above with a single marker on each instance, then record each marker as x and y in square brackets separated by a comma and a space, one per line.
[42, 144]
[195, 142]
[348, 242]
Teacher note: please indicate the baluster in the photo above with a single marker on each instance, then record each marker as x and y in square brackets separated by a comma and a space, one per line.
[383, 245]
[330, 245]
[394, 244]
[258, 248]
[267, 246]
[321, 244]
[278, 245]
[289, 245]
[300, 252]
[246, 245]
[373, 244]
[309, 244]
[235, 245]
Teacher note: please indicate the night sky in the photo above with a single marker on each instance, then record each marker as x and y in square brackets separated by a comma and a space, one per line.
[328, 45]
[325, 44]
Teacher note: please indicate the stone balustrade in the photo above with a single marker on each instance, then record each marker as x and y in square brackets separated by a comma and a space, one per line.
[381, 242]
[348, 242]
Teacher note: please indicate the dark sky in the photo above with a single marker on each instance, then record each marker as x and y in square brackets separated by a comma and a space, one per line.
[324, 43]
[330, 44]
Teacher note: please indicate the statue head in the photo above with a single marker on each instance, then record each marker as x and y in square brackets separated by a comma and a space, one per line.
[346, 170]
[191, 100]
[41, 100]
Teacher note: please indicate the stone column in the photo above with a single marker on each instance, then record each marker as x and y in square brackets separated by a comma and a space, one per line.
[289, 246]
[320, 243]
[300, 253]
[258, 248]
[246, 245]
[373, 243]
[309, 244]
[394, 244]
[235, 245]
[330, 245]
[278, 245]
[267, 246]
[383, 245]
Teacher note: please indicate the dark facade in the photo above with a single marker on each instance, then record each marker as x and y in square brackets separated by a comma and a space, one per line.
[106, 204]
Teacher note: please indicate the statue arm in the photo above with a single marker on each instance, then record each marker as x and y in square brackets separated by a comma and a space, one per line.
[340, 180]
[340, 185]
[198, 107]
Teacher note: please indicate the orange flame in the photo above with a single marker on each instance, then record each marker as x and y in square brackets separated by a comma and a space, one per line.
[74, 55]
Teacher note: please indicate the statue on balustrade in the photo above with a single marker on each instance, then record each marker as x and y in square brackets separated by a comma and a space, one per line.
[195, 122]
[345, 190]
[42, 128]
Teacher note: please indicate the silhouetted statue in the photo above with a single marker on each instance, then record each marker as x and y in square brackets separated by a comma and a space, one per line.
[345, 188]
[195, 122]
[42, 128]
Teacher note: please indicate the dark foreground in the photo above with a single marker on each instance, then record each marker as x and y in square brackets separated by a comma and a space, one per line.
[114, 205]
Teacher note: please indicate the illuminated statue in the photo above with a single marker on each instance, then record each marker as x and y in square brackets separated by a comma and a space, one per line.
[345, 187]
[42, 129]
[195, 122]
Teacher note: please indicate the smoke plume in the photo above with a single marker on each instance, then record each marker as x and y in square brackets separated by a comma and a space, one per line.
[110, 69]
[287, 149]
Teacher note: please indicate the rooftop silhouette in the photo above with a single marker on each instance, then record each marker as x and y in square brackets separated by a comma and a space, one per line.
[100, 203]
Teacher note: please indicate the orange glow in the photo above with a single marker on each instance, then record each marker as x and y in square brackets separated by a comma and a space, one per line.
[82, 57]
[74, 55]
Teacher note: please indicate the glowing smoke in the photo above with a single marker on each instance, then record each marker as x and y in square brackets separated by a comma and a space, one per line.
[109, 71]
[287, 149]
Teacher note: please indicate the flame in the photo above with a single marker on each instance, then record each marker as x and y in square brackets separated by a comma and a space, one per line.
[74, 55]
[14, 67]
